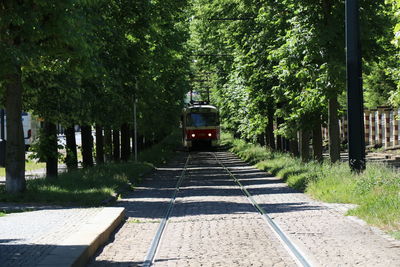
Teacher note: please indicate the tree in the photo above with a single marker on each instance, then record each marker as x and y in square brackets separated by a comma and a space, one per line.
[281, 62]
[29, 30]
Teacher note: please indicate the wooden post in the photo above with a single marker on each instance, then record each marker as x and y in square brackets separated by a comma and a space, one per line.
[325, 131]
[379, 128]
[387, 128]
[366, 125]
[373, 127]
[345, 128]
[395, 127]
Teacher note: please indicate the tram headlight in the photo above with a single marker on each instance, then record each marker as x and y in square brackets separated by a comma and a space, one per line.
[193, 135]
[209, 134]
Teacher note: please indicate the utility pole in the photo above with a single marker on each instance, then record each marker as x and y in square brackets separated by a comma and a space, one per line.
[354, 88]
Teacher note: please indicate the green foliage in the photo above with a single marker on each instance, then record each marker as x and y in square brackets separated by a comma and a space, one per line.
[395, 56]
[41, 148]
[287, 56]
[375, 191]
[86, 62]
[379, 85]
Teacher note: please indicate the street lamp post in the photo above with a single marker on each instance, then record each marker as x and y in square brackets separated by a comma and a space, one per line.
[354, 88]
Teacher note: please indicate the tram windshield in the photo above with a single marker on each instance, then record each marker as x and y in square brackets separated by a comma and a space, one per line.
[202, 119]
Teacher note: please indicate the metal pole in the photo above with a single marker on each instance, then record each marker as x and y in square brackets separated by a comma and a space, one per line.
[2, 140]
[135, 128]
[2, 120]
[135, 121]
[354, 88]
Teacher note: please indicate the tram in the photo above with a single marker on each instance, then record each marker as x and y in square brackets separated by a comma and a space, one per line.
[200, 125]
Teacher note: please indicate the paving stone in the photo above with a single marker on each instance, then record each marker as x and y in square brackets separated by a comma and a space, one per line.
[213, 224]
[322, 231]
[27, 238]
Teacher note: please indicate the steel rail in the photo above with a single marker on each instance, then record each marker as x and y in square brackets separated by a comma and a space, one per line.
[150, 256]
[285, 240]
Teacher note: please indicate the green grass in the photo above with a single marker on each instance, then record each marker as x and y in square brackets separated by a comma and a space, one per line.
[139, 221]
[376, 191]
[87, 187]
[91, 186]
[29, 166]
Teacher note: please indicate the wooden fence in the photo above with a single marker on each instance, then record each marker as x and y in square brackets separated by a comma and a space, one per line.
[381, 127]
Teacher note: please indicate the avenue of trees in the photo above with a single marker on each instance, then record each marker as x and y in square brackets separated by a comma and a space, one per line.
[276, 69]
[85, 62]
[282, 63]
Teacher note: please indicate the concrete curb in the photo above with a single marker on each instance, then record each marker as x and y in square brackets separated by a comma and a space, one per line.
[78, 248]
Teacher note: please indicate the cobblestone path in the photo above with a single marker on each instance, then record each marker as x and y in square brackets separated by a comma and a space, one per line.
[319, 229]
[213, 224]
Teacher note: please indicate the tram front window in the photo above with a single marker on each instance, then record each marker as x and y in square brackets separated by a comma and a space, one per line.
[202, 119]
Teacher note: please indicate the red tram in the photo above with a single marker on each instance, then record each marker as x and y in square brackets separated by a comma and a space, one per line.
[200, 124]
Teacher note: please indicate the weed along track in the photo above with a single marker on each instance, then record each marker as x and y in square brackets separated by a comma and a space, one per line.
[209, 221]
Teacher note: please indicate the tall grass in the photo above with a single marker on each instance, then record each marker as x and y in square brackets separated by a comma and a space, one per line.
[91, 186]
[376, 191]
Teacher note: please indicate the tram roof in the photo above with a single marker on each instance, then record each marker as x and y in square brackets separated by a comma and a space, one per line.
[201, 107]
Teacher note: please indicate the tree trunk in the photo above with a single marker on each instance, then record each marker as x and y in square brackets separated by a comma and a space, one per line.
[317, 141]
[141, 143]
[286, 144]
[269, 130]
[87, 146]
[304, 145]
[125, 142]
[50, 148]
[261, 139]
[99, 145]
[15, 146]
[334, 134]
[294, 147]
[279, 138]
[133, 142]
[116, 151]
[72, 156]
[108, 143]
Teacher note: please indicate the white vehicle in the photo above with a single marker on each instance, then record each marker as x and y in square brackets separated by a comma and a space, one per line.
[29, 126]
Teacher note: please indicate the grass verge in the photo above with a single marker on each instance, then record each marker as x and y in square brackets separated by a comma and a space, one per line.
[29, 166]
[91, 186]
[376, 191]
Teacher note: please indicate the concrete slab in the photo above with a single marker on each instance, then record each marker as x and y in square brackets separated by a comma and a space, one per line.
[78, 248]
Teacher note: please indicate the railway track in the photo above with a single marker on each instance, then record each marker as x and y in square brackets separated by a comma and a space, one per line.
[290, 247]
